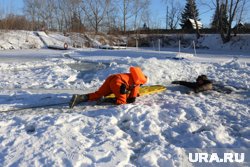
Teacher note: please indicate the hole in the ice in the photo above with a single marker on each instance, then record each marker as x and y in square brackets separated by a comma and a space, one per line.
[87, 69]
[30, 128]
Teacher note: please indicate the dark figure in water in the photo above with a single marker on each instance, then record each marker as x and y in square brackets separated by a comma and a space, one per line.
[202, 84]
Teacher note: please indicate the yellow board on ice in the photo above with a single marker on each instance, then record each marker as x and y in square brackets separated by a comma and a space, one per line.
[146, 90]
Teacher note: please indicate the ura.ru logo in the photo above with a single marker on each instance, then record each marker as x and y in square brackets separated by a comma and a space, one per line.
[214, 157]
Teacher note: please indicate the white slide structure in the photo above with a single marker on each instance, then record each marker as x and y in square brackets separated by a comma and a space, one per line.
[51, 42]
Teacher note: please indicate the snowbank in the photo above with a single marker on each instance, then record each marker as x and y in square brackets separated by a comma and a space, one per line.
[29, 40]
[10, 40]
[241, 42]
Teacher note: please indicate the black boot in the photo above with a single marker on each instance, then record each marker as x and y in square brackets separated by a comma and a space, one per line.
[77, 99]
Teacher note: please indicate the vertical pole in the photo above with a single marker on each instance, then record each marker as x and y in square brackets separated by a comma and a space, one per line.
[179, 47]
[136, 43]
[194, 48]
[159, 45]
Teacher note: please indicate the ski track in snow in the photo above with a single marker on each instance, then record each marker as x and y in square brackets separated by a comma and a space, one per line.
[157, 130]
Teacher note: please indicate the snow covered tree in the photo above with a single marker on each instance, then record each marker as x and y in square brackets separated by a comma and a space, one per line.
[190, 12]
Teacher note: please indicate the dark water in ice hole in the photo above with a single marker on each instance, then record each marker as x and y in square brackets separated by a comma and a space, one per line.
[87, 70]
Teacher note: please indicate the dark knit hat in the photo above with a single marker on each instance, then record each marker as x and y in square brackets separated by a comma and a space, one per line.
[202, 77]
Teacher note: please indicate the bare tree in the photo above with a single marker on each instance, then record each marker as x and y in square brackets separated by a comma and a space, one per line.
[195, 19]
[227, 11]
[140, 9]
[80, 13]
[231, 6]
[30, 8]
[60, 13]
[45, 12]
[174, 10]
[133, 10]
[146, 18]
[53, 14]
[74, 15]
[95, 11]
[49, 13]
[64, 12]
[40, 11]
[242, 10]
[126, 9]
[64, 8]
[113, 21]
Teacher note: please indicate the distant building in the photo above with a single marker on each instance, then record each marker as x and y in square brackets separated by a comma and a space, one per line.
[241, 28]
[247, 25]
[190, 24]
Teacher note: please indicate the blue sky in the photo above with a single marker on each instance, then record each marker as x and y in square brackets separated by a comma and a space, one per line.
[158, 10]
[8, 6]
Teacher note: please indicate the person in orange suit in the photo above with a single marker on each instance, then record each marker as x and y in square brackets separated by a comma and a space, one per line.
[125, 86]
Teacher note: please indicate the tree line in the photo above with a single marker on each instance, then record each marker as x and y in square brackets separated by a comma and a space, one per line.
[81, 15]
[122, 15]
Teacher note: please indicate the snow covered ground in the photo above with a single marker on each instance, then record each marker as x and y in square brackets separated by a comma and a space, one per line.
[157, 130]
[13, 40]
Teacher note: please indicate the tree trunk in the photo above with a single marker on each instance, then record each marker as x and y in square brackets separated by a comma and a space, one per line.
[198, 34]
[233, 6]
[124, 16]
[196, 23]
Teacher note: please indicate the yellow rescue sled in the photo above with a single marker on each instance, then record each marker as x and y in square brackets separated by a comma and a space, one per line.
[146, 90]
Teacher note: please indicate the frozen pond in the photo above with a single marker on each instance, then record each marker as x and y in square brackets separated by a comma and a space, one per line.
[20, 56]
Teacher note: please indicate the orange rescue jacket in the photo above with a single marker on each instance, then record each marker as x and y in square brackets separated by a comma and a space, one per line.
[131, 82]
[113, 85]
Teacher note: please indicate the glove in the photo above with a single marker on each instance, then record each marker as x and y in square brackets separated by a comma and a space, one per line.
[175, 82]
[123, 89]
[131, 100]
